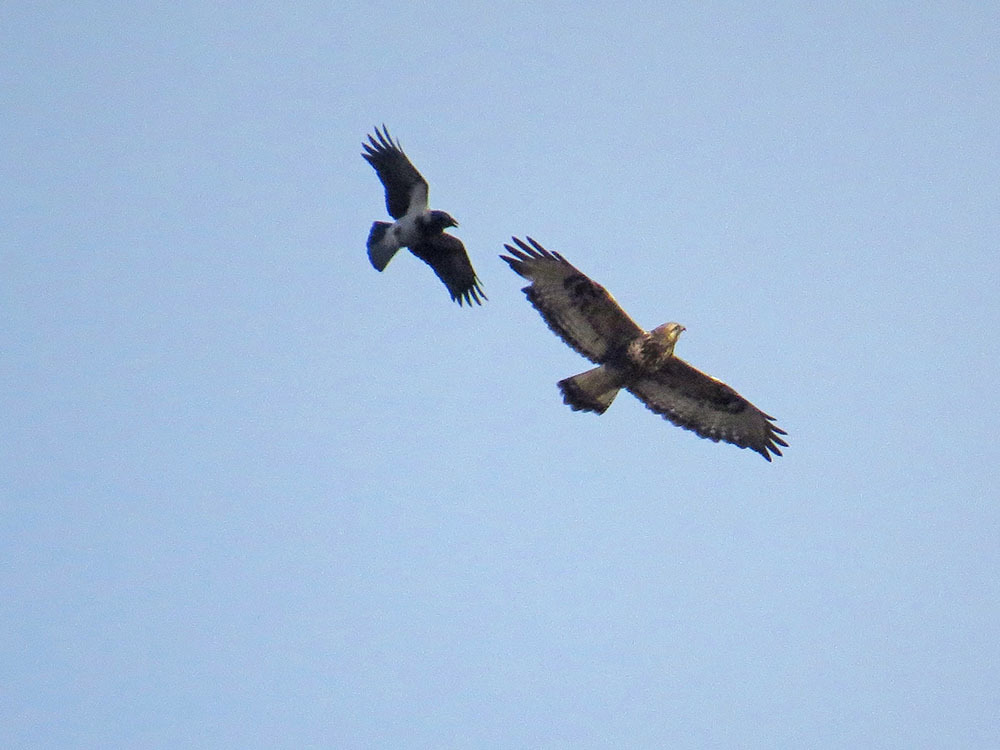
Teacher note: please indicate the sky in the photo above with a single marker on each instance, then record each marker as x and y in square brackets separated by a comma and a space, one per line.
[254, 493]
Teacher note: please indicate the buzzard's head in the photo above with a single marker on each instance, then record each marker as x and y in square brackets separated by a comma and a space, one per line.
[653, 350]
[666, 335]
[438, 221]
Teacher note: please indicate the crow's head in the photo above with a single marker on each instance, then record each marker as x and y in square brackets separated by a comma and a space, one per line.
[438, 221]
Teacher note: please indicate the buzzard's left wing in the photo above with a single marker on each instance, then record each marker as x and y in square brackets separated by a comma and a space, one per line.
[695, 401]
[447, 256]
[578, 309]
[405, 187]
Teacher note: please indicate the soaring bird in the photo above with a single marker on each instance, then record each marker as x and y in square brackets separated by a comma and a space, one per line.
[584, 315]
[416, 227]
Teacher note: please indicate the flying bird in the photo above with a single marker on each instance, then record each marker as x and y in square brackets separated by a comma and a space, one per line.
[585, 315]
[416, 227]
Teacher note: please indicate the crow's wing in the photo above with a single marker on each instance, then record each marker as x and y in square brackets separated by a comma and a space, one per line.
[405, 187]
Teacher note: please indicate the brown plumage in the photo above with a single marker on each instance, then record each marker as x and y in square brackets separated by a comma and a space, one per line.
[584, 315]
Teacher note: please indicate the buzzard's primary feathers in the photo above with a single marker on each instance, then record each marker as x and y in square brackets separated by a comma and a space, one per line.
[584, 315]
[416, 226]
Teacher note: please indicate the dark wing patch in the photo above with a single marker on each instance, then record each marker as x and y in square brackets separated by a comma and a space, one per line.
[447, 256]
[404, 185]
[695, 401]
[577, 309]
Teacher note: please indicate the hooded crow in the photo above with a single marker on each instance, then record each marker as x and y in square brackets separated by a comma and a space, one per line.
[416, 226]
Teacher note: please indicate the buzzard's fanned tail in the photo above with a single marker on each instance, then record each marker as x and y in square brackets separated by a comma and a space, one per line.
[381, 247]
[593, 390]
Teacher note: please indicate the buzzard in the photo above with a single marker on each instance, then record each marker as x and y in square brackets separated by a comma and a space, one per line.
[416, 226]
[584, 315]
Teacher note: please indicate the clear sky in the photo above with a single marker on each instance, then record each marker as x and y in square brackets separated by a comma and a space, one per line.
[257, 494]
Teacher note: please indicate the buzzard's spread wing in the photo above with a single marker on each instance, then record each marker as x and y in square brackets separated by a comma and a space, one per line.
[696, 401]
[446, 255]
[405, 188]
[580, 311]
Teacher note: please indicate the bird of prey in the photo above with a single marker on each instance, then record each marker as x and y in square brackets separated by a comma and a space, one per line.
[416, 226]
[584, 315]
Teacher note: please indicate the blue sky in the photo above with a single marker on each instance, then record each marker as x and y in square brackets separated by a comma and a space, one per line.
[256, 494]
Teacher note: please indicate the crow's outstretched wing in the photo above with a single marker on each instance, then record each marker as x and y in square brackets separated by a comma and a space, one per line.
[405, 188]
[447, 256]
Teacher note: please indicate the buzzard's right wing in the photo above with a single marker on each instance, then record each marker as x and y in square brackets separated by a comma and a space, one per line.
[698, 402]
